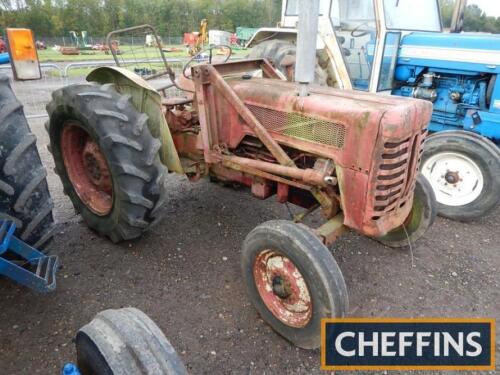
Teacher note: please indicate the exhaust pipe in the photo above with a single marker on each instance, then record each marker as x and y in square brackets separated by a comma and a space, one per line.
[306, 45]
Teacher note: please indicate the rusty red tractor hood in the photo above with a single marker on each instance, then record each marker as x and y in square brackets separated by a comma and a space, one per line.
[375, 142]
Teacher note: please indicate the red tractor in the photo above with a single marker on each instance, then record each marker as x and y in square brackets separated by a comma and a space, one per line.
[353, 156]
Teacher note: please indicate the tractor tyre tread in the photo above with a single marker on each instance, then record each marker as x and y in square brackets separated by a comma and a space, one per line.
[24, 193]
[486, 142]
[276, 50]
[144, 349]
[131, 152]
[313, 260]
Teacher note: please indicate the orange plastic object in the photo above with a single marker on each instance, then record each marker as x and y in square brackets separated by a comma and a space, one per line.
[22, 45]
[23, 54]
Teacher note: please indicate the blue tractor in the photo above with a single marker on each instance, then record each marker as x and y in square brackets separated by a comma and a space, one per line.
[26, 220]
[398, 47]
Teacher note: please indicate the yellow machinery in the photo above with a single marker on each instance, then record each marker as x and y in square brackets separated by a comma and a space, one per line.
[202, 39]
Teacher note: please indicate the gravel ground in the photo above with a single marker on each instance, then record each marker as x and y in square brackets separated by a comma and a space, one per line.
[185, 275]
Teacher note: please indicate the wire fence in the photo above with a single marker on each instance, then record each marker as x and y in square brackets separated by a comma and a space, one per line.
[35, 95]
[66, 41]
[133, 50]
[136, 49]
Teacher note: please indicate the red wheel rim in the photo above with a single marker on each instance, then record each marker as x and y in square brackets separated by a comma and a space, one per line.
[87, 168]
[282, 288]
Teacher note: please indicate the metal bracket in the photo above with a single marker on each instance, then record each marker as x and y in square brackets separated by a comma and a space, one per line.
[331, 230]
[43, 278]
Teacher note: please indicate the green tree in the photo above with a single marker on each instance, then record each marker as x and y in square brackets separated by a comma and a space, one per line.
[447, 7]
[475, 19]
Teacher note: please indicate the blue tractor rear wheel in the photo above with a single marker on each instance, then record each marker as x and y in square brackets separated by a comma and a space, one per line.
[464, 171]
[24, 193]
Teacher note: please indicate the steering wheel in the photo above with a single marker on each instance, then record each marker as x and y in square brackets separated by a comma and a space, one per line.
[357, 33]
[199, 55]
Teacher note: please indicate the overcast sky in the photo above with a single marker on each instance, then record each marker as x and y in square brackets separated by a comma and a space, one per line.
[491, 7]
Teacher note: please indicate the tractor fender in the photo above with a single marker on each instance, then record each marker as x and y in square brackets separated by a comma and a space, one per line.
[146, 100]
[325, 42]
[267, 33]
[280, 33]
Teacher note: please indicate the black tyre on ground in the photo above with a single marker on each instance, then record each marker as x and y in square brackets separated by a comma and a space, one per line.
[276, 51]
[461, 133]
[293, 281]
[422, 216]
[24, 193]
[107, 159]
[464, 171]
[125, 341]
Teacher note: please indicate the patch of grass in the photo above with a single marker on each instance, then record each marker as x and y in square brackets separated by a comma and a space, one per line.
[128, 52]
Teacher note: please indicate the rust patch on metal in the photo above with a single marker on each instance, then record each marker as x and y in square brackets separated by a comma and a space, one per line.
[260, 128]
[87, 168]
[283, 289]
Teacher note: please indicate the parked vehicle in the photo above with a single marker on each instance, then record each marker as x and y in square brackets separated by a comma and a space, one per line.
[199, 39]
[3, 45]
[151, 41]
[396, 47]
[219, 37]
[26, 220]
[24, 193]
[354, 156]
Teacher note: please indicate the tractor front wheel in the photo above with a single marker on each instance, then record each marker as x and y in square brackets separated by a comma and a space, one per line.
[293, 281]
[464, 171]
[420, 219]
[107, 159]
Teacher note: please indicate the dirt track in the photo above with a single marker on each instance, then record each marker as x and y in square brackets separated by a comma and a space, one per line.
[185, 274]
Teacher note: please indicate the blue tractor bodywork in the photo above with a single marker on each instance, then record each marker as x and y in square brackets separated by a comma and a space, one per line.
[399, 47]
[36, 271]
[458, 73]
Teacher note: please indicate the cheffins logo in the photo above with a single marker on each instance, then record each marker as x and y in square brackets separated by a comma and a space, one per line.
[408, 344]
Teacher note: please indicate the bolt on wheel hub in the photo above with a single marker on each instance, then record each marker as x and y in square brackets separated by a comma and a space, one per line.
[96, 166]
[456, 179]
[452, 177]
[282, 288]
[87, 168]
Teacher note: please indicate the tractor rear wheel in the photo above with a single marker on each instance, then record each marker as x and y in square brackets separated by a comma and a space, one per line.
[277, 52]
[24, 193]
[464, 171]
[422, 216]
[293, 281]
[107, 159]
[125, 341]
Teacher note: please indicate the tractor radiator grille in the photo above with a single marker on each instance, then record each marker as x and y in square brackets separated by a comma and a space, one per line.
[299, 126]
[397, 173]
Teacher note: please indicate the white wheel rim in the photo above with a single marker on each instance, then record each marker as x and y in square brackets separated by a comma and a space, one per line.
[456, 179]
